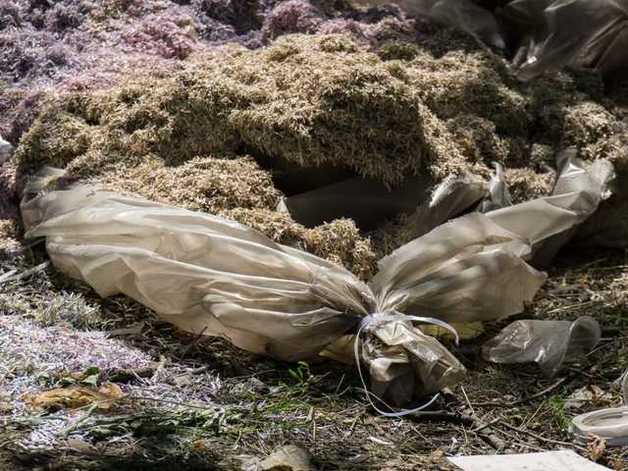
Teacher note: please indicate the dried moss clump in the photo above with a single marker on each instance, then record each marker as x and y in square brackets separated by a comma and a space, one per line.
[338, 241]
[525, 184]
[313, 101]
[203, 183]
[586, 123]
[307, 100]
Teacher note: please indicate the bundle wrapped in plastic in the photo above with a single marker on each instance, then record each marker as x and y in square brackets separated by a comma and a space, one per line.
[209, 275]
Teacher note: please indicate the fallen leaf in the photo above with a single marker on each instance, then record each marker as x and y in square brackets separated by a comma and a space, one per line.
[75, 397]
[596, 447]
[588, 395]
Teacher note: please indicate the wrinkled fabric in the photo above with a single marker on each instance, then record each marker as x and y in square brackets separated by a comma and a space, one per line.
[547, 343]
[559, 33]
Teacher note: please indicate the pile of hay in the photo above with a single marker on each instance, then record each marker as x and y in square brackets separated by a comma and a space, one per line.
[215, 135]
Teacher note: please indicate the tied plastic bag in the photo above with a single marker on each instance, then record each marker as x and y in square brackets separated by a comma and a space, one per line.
[557, 33]
[547, 343]
[209, 275]
[206, 274]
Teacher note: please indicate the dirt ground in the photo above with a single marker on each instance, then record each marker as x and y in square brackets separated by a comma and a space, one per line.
[202, 404]
[144, 97]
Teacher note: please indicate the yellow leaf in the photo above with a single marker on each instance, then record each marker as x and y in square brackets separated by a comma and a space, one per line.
[75, 397]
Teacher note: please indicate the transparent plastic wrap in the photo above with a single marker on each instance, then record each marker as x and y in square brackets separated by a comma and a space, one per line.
[463, 14]
[557, 33]
[549, 223]
[209, 275]
[212, 276]
[547, 343]
[370, 203]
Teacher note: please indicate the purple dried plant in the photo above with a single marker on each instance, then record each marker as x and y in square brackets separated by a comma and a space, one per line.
[293, 16]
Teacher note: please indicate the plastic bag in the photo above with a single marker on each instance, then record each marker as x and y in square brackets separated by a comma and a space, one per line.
[209, 275]
[366, 201]
[206, 274]
[547, 343]
[450, 198]
[369, 202]
[463, 14]
[557, 33]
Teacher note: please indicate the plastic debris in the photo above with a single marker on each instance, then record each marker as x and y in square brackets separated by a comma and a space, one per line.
[557, 33]
[366, 201]
[549, 223]
[608, 424]
[547, 461]
[464, 14]
[498, 195]
[545, 35]
[208, 275]
[547, 343]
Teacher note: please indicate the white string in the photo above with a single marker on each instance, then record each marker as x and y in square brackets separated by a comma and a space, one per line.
[384, 318]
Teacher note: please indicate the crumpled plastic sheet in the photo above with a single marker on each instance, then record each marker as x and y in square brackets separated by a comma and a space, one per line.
[546, 35]
[498, 193]
[547, 343]
[559, 33]
[549, 223]
[209, 275]
[366, 201]
[463, 14]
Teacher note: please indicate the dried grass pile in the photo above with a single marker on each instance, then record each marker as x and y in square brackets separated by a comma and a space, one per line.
[211, 136]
